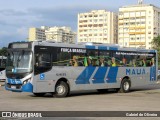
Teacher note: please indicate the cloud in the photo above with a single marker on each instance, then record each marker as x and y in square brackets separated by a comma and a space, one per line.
[12, 12]
[15, 23]
[61, 16]
[22, 31]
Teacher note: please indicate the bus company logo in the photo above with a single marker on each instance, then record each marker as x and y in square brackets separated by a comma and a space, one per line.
[135, 71]
[42, 76]
[6, 114]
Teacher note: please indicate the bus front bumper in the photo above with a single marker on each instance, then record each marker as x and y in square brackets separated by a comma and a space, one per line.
[28, 87]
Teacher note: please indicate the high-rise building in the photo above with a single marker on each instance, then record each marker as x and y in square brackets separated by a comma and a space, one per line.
[60, 34]
[57, 34]
[36, 34]
[99, 26]
[138, 25]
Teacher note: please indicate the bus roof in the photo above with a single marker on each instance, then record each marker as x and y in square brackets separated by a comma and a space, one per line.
[98, 46]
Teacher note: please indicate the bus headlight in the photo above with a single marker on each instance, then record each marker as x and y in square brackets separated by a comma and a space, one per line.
[26, 81]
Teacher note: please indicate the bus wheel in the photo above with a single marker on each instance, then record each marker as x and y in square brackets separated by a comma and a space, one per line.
[125, 86]
[61, 89]
[39, 94]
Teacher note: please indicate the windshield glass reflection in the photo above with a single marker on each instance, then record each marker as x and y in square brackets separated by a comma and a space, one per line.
[19, 62]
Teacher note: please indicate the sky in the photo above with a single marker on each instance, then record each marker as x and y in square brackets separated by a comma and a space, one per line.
[17, 16]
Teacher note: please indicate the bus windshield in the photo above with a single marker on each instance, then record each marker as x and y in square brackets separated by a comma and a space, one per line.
[19, 62]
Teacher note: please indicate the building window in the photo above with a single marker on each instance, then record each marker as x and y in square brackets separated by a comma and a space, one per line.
[81, 16]
[95, 20]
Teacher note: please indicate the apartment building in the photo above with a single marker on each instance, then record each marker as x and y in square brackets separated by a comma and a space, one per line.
[99, 26]
[36, 34]
[138, 25]
[60, 34]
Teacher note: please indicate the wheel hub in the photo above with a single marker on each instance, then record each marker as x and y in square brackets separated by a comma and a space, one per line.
[60, 89]
[126, 86]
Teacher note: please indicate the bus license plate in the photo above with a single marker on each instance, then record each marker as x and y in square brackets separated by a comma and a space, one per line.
[13, 87]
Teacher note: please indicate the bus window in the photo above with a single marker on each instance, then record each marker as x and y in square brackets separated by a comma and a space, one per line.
[116, 59]
[150, 61]
[42, 62]
[78, 59]
[104, 58]
[114, 62]
[62, 59]
[75, 61]
[92, 58]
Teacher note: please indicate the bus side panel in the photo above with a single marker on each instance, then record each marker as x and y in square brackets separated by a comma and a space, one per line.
[45, 82]
[100, 78]
[139, 76]
[91, 78]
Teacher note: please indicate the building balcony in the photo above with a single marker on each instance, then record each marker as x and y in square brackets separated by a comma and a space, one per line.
[137, 43]
[121, 18]
[136, 33]
[136, 27]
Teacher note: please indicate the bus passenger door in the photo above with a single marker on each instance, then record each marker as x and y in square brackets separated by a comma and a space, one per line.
[42, 71]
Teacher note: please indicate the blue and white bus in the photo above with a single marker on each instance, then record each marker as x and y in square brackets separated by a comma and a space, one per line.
[2, 68]
[44, 67]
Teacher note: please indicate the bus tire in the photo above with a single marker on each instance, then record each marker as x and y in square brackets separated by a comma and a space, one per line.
[61, 89]
[39, 94]
[125, 86]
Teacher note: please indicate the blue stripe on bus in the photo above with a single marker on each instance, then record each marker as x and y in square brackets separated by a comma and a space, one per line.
[102, 47]
[27, 87]
[90, 47]
[112, 75]
[113, 48]
[152, 51]
[152, 73]
[84, 77]
[100, 75]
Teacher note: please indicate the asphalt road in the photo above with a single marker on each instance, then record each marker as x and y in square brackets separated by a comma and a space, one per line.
[139, 99]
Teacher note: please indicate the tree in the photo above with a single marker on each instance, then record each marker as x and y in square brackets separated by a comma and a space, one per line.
[3, 51]
[156, 45]
[156, 42]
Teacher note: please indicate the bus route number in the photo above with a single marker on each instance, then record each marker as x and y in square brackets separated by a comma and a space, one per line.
[60, 74]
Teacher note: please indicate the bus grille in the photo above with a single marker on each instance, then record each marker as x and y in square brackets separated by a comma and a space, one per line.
[14, 86]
